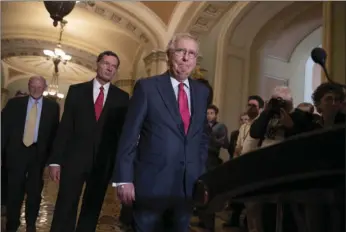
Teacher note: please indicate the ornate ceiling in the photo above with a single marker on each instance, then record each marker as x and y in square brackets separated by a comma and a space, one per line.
[131, 29]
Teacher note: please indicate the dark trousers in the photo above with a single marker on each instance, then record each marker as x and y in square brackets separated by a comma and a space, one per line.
[208, 219]
[126, 215]
[4, 183]
[24, 176]
[70, 189]
[172, 219]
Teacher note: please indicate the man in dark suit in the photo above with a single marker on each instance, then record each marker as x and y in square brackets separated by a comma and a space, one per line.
[85, 145]
[4, 171]
[168, 111]
[28, 128]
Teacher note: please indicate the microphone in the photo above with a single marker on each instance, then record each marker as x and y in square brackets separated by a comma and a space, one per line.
[319, 56]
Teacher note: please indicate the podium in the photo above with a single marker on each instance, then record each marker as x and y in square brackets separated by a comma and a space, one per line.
[306, 168]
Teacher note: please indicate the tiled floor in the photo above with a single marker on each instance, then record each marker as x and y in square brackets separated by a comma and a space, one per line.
[108, 221]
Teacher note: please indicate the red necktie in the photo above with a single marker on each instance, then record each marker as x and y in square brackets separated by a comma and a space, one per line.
[99, 104]
[184, 107]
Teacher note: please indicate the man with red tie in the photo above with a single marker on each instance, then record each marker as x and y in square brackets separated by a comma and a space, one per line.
[168, 112]
[85, 145]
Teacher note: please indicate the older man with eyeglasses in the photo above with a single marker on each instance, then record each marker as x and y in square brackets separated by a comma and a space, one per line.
[168, 112]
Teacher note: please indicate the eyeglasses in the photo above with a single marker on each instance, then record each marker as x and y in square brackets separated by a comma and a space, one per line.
[180, 52]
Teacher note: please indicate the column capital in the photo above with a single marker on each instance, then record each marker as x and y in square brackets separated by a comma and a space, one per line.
[155, 55]
[125, 84]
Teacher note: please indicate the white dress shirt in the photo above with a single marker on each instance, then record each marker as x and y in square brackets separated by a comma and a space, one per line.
[96, 92]
[175, 85]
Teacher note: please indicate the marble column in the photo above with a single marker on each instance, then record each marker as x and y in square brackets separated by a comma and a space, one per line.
[334, 39]
[126, 85]
[156, 63]
[4, 97]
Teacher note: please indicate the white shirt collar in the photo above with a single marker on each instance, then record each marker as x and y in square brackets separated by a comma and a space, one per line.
[176, 83]
[97, 85]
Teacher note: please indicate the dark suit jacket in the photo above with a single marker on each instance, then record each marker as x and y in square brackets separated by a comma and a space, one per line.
[165, 160]
[233, 143]
[82, 141]
[13, 118]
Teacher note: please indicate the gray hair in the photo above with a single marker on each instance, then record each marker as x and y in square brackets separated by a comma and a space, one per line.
[180, 36]
[40, 78]
[285, 93]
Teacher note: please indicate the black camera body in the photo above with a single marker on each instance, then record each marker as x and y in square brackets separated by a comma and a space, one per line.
[275, 104]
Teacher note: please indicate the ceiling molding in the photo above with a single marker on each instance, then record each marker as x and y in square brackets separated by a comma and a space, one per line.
[116, 18]
[26, 66]
[35, 47]
[208, 16]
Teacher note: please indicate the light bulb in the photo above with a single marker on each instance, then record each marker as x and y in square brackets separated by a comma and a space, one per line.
[59, 52]
[48, 52]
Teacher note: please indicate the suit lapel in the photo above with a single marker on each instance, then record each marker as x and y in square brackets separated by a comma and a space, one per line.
[23, 111]
[194, 106]
[44, 111]
[166, 91]
[90, 100]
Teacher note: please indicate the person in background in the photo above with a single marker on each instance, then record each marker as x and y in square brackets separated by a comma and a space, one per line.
[309, 108]
[306, 107]
[28, 129]
[218, 140]
[254, 108]
[235, 208]
[218, 137]
[4, 183]
[244, 118]
[329, 98]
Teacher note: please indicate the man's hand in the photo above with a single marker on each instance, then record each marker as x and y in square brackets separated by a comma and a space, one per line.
[126, 193]
[54, 173]
[286, 119]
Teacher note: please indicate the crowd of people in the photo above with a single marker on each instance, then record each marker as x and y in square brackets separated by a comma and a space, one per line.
[266, 123]
[152, 147]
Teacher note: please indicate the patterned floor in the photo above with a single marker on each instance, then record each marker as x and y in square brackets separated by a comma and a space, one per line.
[108, 221]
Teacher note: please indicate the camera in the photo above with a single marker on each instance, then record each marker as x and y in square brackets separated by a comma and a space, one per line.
[275, 104]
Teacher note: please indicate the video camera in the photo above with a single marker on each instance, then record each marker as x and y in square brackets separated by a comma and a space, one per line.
[275, 104]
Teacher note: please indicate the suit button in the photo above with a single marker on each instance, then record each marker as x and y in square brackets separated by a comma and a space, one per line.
[182, 163]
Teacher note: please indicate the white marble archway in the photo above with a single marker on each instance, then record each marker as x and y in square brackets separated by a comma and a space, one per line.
[238, 55]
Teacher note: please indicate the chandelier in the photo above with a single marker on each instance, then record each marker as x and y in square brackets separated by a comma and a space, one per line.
[57, 56]
[53, 88]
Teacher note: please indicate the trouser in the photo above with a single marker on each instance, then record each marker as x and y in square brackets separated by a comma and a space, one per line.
[4, 183]
[24, 176]
[126, 215]
[70, 189]
[208, 219]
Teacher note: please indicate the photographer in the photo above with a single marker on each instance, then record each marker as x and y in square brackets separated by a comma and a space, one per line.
[280, 120]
